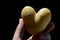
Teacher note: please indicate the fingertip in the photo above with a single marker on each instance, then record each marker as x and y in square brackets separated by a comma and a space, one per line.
[50, 27]
[21, 21]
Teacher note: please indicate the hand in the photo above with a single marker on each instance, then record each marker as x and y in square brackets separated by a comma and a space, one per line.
[19, 32]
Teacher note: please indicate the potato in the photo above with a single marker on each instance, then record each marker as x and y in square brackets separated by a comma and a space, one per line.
[35, 22]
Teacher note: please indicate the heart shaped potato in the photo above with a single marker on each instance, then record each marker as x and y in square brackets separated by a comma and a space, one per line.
[35, 22]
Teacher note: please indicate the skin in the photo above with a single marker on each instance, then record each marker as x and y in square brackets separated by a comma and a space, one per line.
[18, 35]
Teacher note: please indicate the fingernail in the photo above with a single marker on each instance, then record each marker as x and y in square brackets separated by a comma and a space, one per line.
[21, 21]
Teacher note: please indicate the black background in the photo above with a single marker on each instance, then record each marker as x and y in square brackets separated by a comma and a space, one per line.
[11, 12]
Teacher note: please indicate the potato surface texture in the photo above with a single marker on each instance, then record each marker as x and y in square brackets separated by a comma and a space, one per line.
[35, 22]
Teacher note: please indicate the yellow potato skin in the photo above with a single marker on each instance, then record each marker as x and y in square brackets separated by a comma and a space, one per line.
[35, 22]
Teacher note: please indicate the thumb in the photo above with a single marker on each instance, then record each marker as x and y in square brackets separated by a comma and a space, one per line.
[18, 30]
